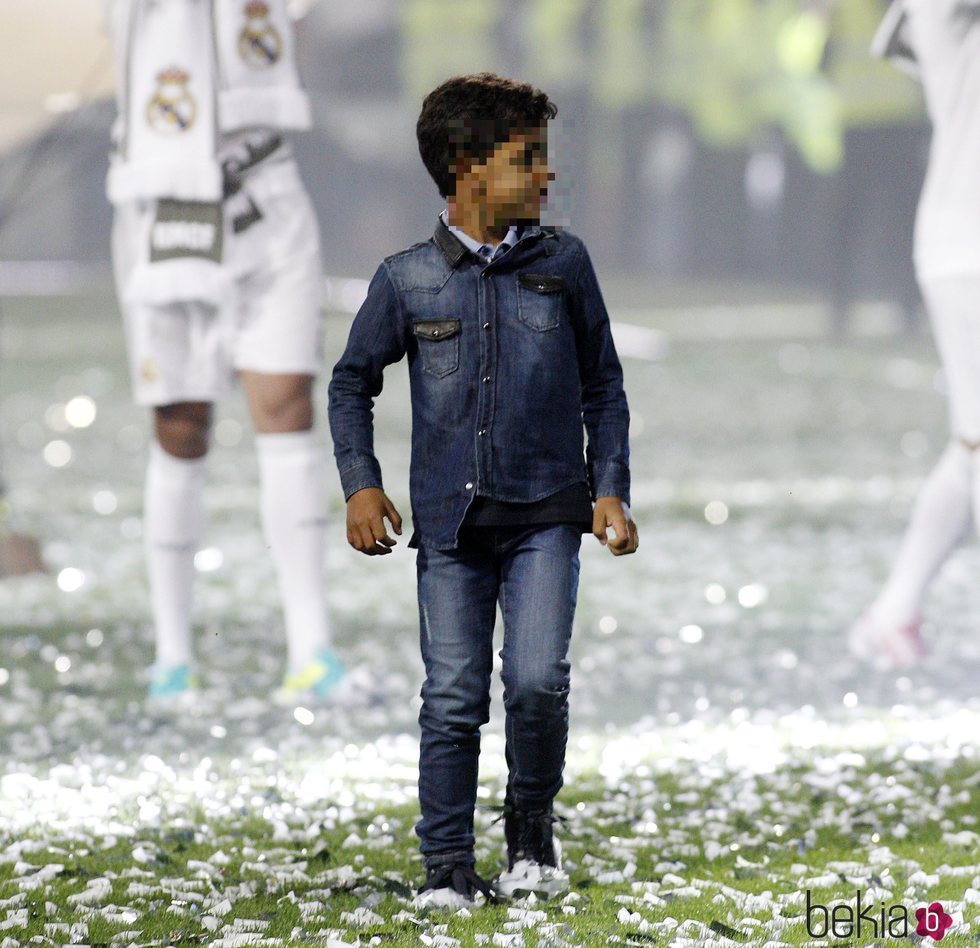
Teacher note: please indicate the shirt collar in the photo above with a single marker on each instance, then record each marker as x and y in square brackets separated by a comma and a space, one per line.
[483, 251]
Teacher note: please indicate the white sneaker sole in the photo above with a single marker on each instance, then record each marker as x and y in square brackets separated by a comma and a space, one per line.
[528, 877]
[442, 898]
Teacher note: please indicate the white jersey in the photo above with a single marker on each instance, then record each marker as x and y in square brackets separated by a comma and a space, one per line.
[189, 74]
[215, 243]
[943, 36]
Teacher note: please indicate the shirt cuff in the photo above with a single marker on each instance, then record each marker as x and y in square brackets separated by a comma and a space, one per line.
[611, 479]
[362, 474]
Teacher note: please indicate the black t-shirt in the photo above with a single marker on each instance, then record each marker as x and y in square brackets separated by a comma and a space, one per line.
[569, 505]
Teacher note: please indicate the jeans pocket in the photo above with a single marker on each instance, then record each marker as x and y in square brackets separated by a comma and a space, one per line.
[540, 297]
[438, 341]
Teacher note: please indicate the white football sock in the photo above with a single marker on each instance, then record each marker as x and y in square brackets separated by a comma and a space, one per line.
[941, 517]
[173, 521]
[294, 511]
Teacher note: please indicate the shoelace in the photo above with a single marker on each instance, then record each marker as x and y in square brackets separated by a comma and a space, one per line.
[532, 823]
[532, 839]
[460, 877]
[504, 809]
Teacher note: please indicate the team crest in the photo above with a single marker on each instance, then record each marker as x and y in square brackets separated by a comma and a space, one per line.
[172, 108]
[149, 371]
[259, 43]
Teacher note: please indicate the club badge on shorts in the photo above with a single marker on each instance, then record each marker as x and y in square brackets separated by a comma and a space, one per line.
[259, 43]
[171, 109]
[149, 370]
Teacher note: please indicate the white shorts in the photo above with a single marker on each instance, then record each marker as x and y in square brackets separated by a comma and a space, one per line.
[270, 318]
[954, 312]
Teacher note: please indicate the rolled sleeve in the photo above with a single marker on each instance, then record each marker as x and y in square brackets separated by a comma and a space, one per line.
[376, 340]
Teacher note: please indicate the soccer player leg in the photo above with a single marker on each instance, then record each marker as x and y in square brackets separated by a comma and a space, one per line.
[940, 519]
[293, 507]
[178, 366]
[174, 520]
[889, 633]
[539, 587]
[955, 316]
[457, 592]
[278, 352]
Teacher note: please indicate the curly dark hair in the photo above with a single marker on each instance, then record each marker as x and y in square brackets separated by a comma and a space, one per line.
[468, 116]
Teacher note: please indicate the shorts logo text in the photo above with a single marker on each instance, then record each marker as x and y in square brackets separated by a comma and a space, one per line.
[186, 229]
[183, 235]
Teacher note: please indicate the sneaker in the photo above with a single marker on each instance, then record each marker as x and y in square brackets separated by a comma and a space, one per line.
[533, 856]
[887, 645]
[316, 682]
[172, 685]
[452, 885]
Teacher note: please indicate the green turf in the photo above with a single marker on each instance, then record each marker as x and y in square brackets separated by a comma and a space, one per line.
[644, 830]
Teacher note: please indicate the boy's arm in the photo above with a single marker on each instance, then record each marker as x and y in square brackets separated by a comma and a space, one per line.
[604, 411]
[376, 340]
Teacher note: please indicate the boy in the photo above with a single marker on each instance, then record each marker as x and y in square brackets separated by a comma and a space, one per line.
[217, 265]
[509, 350]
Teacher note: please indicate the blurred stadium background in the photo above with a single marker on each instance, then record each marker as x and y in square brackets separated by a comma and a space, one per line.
[746, 178]
[704, 142]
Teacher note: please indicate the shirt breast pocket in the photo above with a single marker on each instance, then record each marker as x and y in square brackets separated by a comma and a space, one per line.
[540, 299]
[438, 341]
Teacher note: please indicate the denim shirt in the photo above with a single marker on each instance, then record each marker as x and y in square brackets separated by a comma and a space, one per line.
[506, 362]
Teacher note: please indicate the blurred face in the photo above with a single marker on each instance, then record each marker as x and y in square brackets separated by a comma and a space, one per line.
[512, 184]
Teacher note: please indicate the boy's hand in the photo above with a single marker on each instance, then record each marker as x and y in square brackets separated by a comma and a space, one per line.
[366, 513]
[612, 512]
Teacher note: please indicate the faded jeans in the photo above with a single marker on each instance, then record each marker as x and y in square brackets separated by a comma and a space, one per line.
[533, 573]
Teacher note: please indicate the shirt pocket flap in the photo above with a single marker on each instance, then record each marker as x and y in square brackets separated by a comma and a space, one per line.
[541, 282]
[436, 328]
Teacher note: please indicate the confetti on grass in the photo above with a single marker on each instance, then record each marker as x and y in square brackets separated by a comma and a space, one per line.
[726, 755]
[267, 893]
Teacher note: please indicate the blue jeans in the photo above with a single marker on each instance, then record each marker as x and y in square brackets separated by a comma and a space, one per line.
[533, 573]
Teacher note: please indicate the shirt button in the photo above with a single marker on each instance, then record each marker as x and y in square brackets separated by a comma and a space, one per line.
[469, 485]
[482, 432]
[486, 325]
[486, 378]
